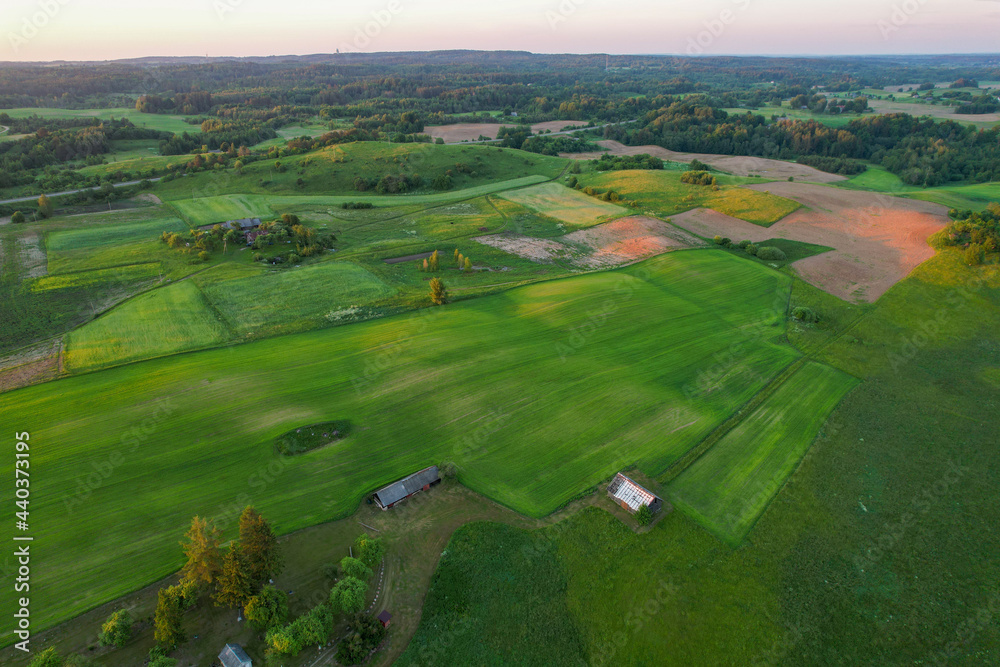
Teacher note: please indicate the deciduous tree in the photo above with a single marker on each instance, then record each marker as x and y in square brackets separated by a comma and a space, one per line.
[45, 207]
[268, 609]
[260, 547]
[117, 630]
[233, 585]
[354, 567]
[348, 595]
[202, 550]
[439, 293]
[167, 629]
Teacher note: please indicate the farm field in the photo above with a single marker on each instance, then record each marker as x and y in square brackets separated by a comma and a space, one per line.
[738, 166]
[209, 210]
[460, 132]
[398, 380]
[164, 321]
[566, 204]
[934, 111]
[163, 122]
[730, 486]
[662, 193]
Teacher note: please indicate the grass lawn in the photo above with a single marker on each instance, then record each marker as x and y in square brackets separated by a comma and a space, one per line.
[164, 321]
[663, 194]
[94, 236]
[976, 197]
[504, 386]
[562, 203]
[730, 485]
[97, 277]
[166, 123]
[209, 210]
[498, 598]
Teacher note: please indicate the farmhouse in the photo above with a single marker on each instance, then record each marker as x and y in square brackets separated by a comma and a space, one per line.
[400, 490]
[243, 224]
[234, 656]
[631, 496]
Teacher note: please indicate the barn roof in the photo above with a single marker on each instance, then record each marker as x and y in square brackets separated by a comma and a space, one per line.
[242, 223]
[627, 491]
[407, 486]
[234, 656]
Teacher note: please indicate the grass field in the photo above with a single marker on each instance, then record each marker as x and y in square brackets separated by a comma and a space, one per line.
[663, 194]
[128, 273]
[415, 387]
[86, 238]
[497, 598]
[164, 321]
[259, 303]
[730, 485]
[152, 121]
[562, 203]
[333, 170]
[209, 210]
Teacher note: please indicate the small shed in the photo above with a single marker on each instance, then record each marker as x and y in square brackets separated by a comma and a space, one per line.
[385, 618]
[234, 656]
[402, 489]
[631, 496]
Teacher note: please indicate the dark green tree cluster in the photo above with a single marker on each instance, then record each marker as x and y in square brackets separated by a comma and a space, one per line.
[698, 178]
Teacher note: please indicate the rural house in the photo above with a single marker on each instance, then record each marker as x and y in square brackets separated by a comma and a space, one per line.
[631, 496]
[388, 496]
[234, 656]
[243, 224]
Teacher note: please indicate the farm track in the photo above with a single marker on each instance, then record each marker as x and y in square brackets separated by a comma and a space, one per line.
[73, 192]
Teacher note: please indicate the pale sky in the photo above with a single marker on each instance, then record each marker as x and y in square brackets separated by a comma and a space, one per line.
[110, 29]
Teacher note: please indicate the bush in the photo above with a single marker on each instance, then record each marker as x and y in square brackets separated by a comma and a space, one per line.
[770, 253]
[698, 178]
[293, 258]
[17, 218]
[742, 244]
[974, 254]
[355, 647]
[117, 630]
[751, 249]
[644, 515]
[698, 165]
[204, 256]
[722, 240]
[803, 314]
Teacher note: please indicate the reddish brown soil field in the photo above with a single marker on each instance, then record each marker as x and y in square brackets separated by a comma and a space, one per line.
[878, 239]
[740, 166]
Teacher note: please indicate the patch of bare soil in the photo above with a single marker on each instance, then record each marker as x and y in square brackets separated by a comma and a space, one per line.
[628, 240]
[615, 243]
[878, 239]
[31, 257]
[38, 363]
[472, 131]
[740, 166]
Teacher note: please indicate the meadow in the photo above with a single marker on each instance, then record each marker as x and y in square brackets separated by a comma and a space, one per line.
[415, 387]
[661, 193]
[162, 122]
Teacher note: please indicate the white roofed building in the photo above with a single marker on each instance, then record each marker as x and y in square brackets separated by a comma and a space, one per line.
[632, 496]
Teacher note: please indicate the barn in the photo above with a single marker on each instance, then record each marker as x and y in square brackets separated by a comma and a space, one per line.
[234, 656]
[631, 496]
[243, 224]
[399, 490]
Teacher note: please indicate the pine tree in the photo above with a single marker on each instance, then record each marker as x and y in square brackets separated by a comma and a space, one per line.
[457, 255]
[468, 265]
[233, 585]
[167, 622]
[461, 260]
[202, 551]
[439, 293]
[434, 261]
[260, 547]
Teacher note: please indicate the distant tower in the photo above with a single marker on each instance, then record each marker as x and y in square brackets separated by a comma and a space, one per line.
[607, 63]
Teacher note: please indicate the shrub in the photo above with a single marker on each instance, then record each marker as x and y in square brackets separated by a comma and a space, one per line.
[722, 240]
[751, 249]
[572, 182]
[17, 218]
[743, 244]
[117, 630]
[698, 165]
[698, 178]
[644, 515]
[293, 258]
[204, 256]
[770, 253]
[803, 314]
[974, 254]
[257, 257]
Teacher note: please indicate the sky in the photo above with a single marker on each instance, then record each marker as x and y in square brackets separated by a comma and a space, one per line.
[42, 30]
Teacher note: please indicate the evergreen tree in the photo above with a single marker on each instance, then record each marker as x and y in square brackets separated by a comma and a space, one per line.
[202, 551]
[468, 265]
[167, 622]
[434, 263]
[439, 293]
[234, 585]
[260, 547]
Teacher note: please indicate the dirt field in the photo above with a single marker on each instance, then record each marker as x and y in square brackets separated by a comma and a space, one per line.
[740, 166]
[615, 243]
[471, 131]
[878, 239]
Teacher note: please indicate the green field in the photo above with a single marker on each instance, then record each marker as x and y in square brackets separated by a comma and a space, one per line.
[415, 387]
[566, 204]
[165, 123]
[258, 303]
[95, 236]
[730, 485]
[497, 598]
[209, 210]
[164, 321]
[663, 194]
[128, 273]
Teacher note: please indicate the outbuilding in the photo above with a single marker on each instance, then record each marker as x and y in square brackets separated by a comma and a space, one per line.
[234, 656]
[385, 618]
[631, 496]
[402, 489]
